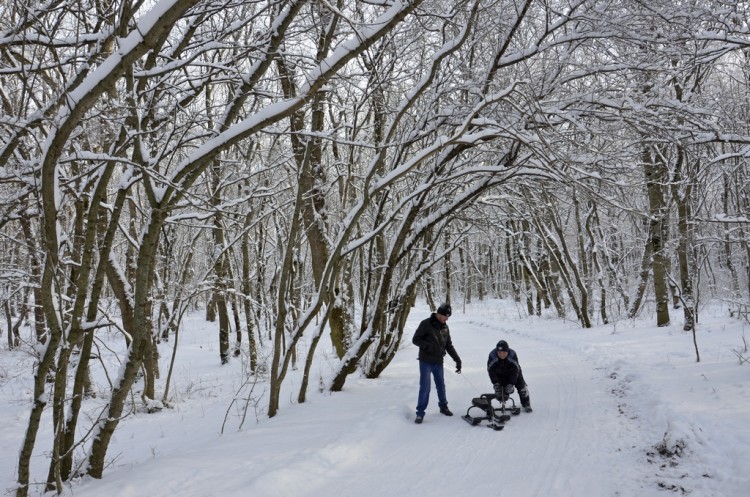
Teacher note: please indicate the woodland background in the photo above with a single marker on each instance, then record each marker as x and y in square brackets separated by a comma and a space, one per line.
[311, 168]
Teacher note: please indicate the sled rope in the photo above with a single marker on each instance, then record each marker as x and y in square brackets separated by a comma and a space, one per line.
[471, 384]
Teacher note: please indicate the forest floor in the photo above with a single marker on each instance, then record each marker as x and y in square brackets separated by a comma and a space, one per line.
[620, 410]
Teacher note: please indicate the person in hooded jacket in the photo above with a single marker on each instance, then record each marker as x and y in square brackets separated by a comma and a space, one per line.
[434, 340]
[506, 374]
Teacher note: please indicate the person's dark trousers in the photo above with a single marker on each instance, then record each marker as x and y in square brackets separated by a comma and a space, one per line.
[522, 390]
[426, 371]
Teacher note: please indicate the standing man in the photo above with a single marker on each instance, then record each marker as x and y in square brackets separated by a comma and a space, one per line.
[434, 339]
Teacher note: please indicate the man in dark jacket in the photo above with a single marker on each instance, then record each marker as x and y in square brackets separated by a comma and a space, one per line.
[506, 374]
[434, 339]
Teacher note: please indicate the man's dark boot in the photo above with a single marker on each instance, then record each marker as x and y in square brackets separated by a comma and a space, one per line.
[446, 411]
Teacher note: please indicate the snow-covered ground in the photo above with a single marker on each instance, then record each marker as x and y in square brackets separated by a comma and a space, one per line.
[620, 410]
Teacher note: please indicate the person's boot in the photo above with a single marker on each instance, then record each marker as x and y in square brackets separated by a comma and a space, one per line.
[525, 399]
[418, 420]
[446, 411]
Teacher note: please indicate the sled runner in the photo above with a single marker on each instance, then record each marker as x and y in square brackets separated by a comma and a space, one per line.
[497, 416]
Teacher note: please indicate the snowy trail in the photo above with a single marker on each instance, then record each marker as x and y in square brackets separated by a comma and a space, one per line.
[363, 442]
[557, 450]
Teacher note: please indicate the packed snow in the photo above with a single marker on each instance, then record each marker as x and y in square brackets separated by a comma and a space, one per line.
[620, 410]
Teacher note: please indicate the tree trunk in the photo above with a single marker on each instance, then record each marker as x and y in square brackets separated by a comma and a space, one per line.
[140, 333]
[644, 274]
[568, 265]
[511, 255]
[656, 176]
[35, 267]
[591, 218]
[279, 358]
[247, 292]
[40, 379]
[682, 192]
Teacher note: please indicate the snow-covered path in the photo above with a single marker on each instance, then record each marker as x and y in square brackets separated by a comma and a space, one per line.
[598, 401]
[574, 443]
[363, 442]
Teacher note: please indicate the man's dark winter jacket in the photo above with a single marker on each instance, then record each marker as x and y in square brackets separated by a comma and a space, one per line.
[434, 339]
[492, 358]
[503, 371]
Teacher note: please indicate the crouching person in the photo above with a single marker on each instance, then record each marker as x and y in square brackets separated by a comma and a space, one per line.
[506, 375]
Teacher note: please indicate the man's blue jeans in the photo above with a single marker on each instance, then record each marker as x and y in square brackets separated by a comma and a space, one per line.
[427, 369]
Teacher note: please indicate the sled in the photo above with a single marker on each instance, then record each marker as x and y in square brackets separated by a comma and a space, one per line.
[497, 416]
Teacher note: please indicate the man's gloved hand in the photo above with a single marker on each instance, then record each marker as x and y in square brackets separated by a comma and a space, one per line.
[509, 389]
[498, 389]
[458, 367]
